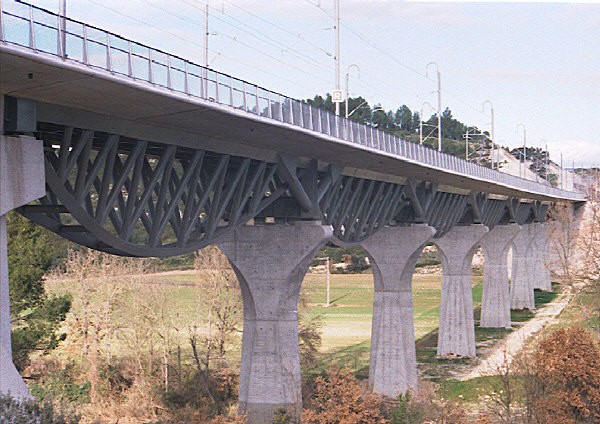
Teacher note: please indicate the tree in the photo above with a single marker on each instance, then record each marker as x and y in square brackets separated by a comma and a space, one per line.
[403, 118]
[35, 316]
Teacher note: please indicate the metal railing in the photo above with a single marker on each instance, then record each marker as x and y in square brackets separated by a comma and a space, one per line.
[43, 31]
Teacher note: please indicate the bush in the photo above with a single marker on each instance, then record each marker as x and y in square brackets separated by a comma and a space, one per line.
[338, 399]
[567, 370]
[29, 412]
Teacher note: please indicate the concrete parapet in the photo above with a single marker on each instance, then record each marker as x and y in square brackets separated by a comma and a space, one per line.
[457, 327]
[523, 269]
[394, 252]
[270, 262]
[495, 301]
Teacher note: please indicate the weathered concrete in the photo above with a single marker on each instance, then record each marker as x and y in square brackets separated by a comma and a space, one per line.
[457, 327]
[270, 262]
[10, 380]
[21, 181]
[495, 301]
[521, 288]
[394, 252]
[542, 245]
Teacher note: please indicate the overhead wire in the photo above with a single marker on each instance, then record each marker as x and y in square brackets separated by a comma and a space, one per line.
[187, 40]
[236, 40]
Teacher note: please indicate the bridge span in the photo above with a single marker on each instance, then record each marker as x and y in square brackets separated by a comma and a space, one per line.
[126, 149]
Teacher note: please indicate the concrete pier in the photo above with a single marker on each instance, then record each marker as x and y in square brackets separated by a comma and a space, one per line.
[457, 327]
[394, 252]
[270, 262]
[542, 245]
[21, 181]
[521, 288]
[495, 301]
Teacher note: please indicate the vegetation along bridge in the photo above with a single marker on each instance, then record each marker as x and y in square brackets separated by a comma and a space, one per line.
[133, 151]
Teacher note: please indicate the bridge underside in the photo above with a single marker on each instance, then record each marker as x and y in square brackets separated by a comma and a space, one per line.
[133, 197]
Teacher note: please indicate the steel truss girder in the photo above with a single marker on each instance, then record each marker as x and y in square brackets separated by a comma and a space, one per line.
[136, 198]
[356, 208]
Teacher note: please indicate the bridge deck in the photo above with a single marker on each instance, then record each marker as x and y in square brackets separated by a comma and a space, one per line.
[151, 94]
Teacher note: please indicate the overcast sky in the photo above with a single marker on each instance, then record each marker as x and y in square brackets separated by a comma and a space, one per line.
[538, 63]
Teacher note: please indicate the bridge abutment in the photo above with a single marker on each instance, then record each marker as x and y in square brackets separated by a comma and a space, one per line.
[394, 252]
[495, 300]
[270, 262]
[21, 181]
[457, 327]
[523, 268]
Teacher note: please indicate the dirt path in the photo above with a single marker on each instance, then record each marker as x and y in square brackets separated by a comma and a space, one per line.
[509, 347]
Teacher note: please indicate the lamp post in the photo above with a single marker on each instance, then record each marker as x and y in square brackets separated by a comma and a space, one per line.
[562, 186]
[337, 52]
[524, 155]
[439, 100]
[492, 134]
[347, 78]
[421, 121]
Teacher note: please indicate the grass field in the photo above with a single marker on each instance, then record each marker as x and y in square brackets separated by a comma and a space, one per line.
[346, 323]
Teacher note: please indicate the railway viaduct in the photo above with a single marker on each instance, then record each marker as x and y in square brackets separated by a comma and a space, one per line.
[129, 150]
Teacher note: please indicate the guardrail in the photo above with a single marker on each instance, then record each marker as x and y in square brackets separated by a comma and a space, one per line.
[44, 31]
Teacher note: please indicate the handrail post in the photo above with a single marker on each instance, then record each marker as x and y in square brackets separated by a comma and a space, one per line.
[216, 87]
[257, 100]
[108, 53]
[169, 84]
[129, 59]
[231, 91]
[150, 75]
[1, 22]
[186, 83]
[31, 29]
[85, 45]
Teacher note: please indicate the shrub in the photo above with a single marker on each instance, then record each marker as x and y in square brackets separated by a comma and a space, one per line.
[29, 412]
[338, 399]
[567, 367]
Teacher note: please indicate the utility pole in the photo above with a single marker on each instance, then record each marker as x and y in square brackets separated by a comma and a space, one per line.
[524, 154]
[206, 34]
[546, 160]
[62, 29]
[337, 54]
[205, 70]
[492, 134]
[328, 281]
[439, 99]
[353, 65]
[562, 186]
[466, 137]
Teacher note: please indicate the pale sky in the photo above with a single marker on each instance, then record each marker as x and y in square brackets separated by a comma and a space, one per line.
[538, 63]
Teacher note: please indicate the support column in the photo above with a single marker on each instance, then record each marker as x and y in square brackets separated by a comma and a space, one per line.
[542, 245]
[21, 181]
[10, 379]
[270, 262]
[495, 301]
[521, 287]
[394, 252]
[457, 327]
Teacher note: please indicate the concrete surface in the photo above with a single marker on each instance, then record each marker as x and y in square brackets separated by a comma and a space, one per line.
[457, 327]
[394, 252]
[270, 262]
[495, 300]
